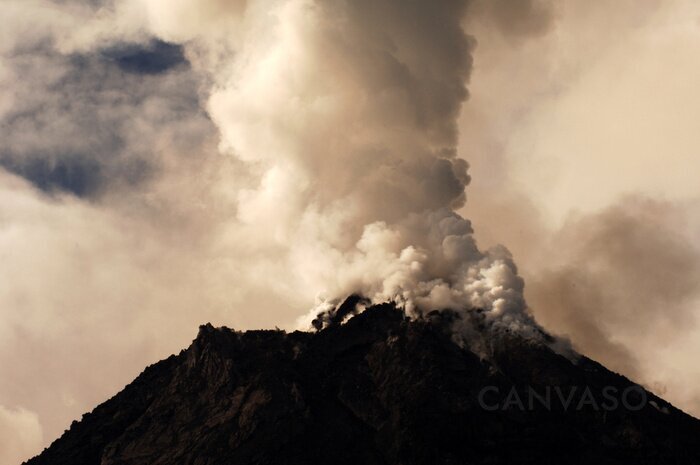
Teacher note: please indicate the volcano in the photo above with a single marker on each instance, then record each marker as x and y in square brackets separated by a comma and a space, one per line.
[379, 388]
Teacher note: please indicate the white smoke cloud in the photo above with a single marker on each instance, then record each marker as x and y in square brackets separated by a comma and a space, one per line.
[348, 113]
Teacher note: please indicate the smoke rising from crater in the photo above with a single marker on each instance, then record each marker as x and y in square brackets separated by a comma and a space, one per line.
[348, 113]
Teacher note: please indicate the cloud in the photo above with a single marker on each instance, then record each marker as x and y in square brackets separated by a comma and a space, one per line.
[516, 19]
[626, 274]
[106, 162]
[20, 435]
[154, 57]
[78, 123]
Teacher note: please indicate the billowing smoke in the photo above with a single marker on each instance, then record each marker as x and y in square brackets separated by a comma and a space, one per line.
[347, 112]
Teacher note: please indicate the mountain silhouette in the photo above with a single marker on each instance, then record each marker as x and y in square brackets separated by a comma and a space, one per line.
[377, 389]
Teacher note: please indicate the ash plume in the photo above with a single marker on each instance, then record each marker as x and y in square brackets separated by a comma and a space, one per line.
[347, 114]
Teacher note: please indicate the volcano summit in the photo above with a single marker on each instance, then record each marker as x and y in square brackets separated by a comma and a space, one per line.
[378, 389]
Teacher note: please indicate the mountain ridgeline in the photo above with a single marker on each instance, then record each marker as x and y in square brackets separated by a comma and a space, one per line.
[377, 389]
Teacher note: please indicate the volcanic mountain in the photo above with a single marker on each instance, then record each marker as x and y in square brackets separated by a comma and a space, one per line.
[379, 388]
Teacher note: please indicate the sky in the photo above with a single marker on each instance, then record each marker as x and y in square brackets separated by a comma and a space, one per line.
[246, 163]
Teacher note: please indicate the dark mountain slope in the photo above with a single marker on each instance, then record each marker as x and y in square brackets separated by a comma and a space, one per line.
[379, 389]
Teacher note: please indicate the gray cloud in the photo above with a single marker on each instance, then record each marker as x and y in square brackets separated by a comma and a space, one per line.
[154, 57]
[628, 271]
[517, 19]
[79, 175]
[86, 123]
